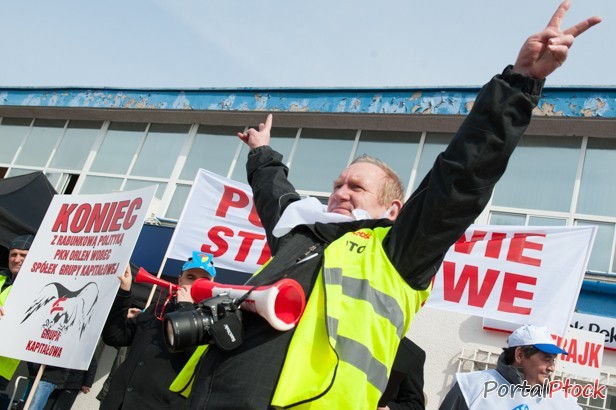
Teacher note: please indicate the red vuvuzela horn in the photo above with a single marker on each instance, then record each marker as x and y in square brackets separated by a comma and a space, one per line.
[144, 276]
[281, 304]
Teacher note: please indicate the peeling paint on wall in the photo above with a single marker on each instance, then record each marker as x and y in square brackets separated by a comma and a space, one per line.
[588, 102]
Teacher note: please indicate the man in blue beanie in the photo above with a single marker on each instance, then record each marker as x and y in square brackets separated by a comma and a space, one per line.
[143, 379]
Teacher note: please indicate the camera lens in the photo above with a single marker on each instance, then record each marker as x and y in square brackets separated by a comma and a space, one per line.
[184, 329]
[169, 333]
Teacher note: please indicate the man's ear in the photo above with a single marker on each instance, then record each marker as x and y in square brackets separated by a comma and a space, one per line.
[394, 209]
[518, 355]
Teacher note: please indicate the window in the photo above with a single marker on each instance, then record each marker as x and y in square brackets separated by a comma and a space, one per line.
[133, 184]
[12, 133]
[545, 221]
[596, 194]
[14, 172]
[76, 145]
[603, 248]
[503, 218]
[435, 144]
[43, 138]
[160, 150]
[396, 149]
[320, 157]
[119, 148]
[100, 185]
[213, 149]
[177, 202]
[63, 183]
[515, 219]
[555, 160]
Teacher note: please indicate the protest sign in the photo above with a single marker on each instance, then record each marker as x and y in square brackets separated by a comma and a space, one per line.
[585, 349]
[585, 353]
[220, 218]
[516, 274]
[61, 297]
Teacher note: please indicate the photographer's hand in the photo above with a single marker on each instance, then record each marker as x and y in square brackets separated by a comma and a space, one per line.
[133, 312]
[183, 294]
[126, 279]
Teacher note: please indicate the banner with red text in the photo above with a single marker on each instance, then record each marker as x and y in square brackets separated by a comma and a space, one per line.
[584, 347]
[219, 217]
[62, 294]
[518, 274]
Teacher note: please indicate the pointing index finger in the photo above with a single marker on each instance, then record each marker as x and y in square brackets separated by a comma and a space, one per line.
[268, 122]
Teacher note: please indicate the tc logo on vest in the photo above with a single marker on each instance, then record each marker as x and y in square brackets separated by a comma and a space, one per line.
[355, 247]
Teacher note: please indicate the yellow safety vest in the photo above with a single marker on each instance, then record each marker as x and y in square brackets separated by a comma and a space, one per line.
[5, 293]
[184, 380]
[344, 346]
[7, 365]
[343, 357]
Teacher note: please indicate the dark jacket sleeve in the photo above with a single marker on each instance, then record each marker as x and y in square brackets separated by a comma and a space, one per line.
[88, 377]
[267, 176]
[454, 400]
[460, 183]
[407, 378]
[410, 393]
[118, 330]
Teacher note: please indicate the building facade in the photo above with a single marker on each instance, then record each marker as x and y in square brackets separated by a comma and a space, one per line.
[96, 141]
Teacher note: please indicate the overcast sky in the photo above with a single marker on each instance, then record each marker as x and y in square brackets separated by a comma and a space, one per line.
[285, 43]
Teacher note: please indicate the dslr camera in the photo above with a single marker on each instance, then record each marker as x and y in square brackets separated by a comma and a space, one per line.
[216, 320]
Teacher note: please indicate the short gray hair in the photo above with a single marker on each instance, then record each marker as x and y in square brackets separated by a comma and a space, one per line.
[393, 188]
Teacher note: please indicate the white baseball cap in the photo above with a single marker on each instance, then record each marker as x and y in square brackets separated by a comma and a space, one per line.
[538, 336]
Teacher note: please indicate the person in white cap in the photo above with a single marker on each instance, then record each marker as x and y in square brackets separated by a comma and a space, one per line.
[520, 379]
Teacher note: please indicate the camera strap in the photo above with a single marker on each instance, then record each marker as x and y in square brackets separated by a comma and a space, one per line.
[228, 332]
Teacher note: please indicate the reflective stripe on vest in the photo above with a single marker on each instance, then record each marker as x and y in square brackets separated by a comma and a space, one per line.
[383, 304]
[359, 356]
[344, 345]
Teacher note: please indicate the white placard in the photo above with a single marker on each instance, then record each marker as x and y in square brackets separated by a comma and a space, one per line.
[515, 274]
[220, 218]
[58, 305]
